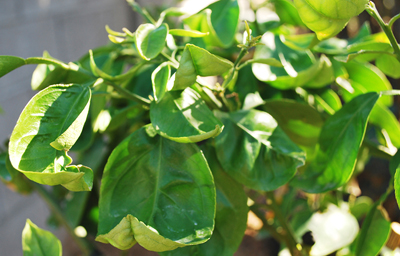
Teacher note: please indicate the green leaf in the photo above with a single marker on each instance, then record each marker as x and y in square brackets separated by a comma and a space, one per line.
[48, 127]
[150, 40]
[374, 232]
[255, 151]
[39, 242]
[287, 12]
[371, 79]
[324, 76]
[220, 20]
[301, 122]
[157, 192]
[196, 61]
[230, 219]
[381, 116]
[12, 178]
[339, 142]
[159, 79]
[188, 33]
[193, 121]
[327, 19]
[4, 173]
[389, 65]
[9, 63]
[299, 67]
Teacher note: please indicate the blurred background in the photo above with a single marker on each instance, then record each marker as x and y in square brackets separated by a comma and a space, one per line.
[67, 30]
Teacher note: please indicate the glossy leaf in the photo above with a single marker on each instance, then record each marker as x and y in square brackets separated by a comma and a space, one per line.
[157, 192]
[231, 208]
[301, 122]
[374, 232]
[255, 151]
[193, 121]
[39, 242]
[196, 61]
[339, 142]
[327, 19]
[150, 40]
[159, 79]
[48, 127]
[324, 76]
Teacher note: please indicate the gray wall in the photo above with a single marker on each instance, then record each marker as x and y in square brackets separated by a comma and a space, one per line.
[67, 29]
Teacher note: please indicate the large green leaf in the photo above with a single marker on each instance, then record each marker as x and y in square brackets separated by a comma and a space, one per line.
[47, 128]
[389, 65]
[255, 151]
[39, 242]
[374, 232]
[230, 219]
[157, 192]
[150, 40]
[220, 20]
[196, 61]
[299, 67]
[339, 142]
[193, 121]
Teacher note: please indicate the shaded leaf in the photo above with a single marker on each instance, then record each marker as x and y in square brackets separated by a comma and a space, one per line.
[157, 192]
[9, 63]
[301, 122]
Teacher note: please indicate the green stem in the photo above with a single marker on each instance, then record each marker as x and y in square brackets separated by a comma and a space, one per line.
[174, 63]
[54, 207]
[293, 246]
[235, 67]
[130, 96]
[387, 28]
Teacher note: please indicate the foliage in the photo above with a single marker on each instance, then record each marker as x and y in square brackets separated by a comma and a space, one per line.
[183, 132]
